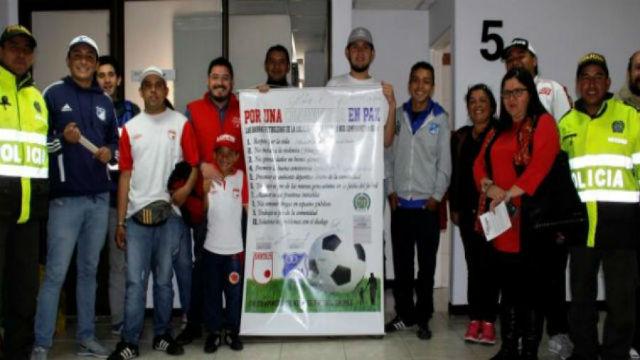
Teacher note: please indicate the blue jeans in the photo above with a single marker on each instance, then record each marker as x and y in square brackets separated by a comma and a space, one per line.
[150, 248]
[183, 266]
[222, 273]
[81, 221]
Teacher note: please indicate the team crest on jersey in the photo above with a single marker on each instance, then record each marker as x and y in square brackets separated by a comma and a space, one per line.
[434, 128]
[544, 91]
[236, 121]
[617, 126]
[236, 193]
[101, 113]
[172, 134]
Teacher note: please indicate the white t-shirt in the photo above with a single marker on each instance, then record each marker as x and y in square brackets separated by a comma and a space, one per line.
[348, 80]
[224, 215]
[553, 97]
[151, 146]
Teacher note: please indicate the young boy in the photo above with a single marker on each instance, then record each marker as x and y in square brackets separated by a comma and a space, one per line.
[223, 257]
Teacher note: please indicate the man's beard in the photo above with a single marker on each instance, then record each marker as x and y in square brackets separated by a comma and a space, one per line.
[359, 69]
[219, 99]
[634, 86]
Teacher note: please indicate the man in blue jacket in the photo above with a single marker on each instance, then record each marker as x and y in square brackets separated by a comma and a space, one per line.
[81, 140]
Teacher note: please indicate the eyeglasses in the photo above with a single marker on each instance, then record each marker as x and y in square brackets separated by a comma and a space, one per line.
[515, 93]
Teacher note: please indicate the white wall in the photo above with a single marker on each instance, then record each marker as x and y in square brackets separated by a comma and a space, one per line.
[560, 31]
[249, 38]
[341, 16]
[148, 41]
[8, 13]
[397, 47]
[54, 30]
[440, 19]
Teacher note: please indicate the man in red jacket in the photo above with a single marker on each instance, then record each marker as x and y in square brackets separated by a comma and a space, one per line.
[217, 112]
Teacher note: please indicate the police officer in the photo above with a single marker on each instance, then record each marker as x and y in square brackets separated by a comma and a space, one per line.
[23, 186]
[601, 135]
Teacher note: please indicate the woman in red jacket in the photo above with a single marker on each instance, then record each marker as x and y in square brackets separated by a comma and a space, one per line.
[513, 161]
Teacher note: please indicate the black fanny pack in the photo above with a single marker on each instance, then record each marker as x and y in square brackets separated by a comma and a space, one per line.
[154, 214]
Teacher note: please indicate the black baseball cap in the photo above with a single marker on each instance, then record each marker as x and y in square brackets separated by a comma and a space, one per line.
[12, 31]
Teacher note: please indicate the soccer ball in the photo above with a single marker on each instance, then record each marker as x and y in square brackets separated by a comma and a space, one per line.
[336, 265]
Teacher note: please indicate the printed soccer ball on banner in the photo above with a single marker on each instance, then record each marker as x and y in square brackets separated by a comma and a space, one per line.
[336, 265]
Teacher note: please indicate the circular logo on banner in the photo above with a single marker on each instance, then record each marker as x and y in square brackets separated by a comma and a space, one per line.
[361, 201]
[234, 278]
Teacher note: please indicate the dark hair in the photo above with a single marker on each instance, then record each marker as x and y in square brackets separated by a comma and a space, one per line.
[631, 60]
[110, 60]
[280, 48]
[221, 61]
[534, 108]
[488, 92]
[423, 65]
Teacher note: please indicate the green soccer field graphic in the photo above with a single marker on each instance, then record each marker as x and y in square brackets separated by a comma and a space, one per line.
[291, 295]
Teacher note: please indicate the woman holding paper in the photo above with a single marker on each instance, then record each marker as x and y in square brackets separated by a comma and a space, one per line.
[514, 159]
[482, 286]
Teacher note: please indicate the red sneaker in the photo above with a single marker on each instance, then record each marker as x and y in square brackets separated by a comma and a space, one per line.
[473, 331]
[488, 335]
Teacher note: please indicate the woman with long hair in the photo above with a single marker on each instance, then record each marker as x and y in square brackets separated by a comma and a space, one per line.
[514, 159]
[482, 287]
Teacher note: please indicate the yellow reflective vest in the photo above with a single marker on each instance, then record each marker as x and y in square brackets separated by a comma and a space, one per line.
[604, 156]
[23, 135]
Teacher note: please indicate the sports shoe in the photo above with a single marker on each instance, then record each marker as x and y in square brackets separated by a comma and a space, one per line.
[116, 329]
[424, 332]
[473, 331]
[212, 343]
[633, 354]
[561, 345]
[124, 351]
[167, 344]
[190, 333]
[233, 340]
[397, 324]
[39, 353]
[488, 334]
[92, 348]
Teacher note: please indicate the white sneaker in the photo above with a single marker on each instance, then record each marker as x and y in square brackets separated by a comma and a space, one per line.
[561, 345]
[633, 354]
[92, 348]
[39, 353]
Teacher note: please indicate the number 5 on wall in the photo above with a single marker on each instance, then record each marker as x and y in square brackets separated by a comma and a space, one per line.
[488, 36]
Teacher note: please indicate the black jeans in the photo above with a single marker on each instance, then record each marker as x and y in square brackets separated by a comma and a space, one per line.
[19, 274]
[195, 317]
[482, 283]
[411, 228]
[620, 270]
[555, 307]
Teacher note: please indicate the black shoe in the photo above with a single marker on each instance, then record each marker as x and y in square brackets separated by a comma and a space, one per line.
[212, 343]
[190, 333]
[233, 340]
[167, 344]
[424, 333]
[397, 324]
[124, 351]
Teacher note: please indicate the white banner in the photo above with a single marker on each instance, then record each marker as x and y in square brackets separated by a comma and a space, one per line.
[314, 235]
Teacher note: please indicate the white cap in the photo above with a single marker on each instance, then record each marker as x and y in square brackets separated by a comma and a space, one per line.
[83, 39]
[152, 70]
[360, 33]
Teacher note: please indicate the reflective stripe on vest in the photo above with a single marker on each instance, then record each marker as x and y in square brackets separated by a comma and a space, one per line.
[23, 154]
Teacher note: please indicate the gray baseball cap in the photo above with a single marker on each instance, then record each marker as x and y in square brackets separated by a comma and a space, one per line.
[360, 33]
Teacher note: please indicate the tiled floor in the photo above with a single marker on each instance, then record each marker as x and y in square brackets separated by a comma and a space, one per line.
[447, 343]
